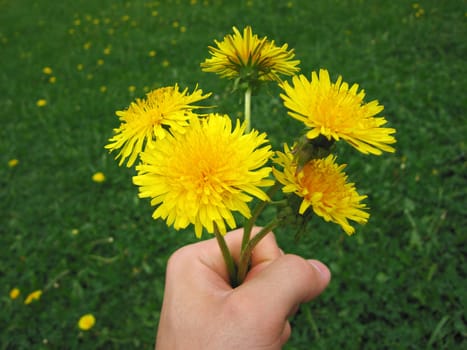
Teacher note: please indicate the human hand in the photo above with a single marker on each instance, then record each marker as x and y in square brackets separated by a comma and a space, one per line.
[202, 311]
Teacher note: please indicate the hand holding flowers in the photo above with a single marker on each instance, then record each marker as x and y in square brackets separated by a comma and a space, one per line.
[203, 169]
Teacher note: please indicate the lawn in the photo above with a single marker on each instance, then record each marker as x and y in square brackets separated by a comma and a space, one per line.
[92, 247]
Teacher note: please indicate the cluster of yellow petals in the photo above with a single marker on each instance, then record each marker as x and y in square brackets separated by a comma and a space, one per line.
[163, 110]
[206, 173]
[323, 186]
[337, 111]
[243, 55]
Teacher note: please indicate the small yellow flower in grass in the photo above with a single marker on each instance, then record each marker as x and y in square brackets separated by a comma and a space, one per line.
[13, 162]
[98, 177]
[164, 109]
[103, 88]
[52, 80]
[14, 293]
[337, 111]
[165, 63]
[41, 103]
[86, 322]
[47, 70]
[36, 295]
[323, 185]
[131, 88]
[250, 58]
[201, 176]
[107, 50]
[152, 53]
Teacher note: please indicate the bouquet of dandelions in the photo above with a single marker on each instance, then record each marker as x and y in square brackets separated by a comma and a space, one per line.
[200, 169]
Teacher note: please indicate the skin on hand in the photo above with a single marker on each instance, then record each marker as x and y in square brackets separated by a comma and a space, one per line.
[202, 311]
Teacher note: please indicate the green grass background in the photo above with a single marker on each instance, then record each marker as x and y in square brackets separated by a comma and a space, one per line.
[399, 283]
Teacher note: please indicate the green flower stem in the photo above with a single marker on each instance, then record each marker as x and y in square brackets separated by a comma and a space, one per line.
[248, 109]
[256, 212]
[246, 253]
[229, 262]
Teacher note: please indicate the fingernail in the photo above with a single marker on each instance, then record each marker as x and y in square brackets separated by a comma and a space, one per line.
[322, 269]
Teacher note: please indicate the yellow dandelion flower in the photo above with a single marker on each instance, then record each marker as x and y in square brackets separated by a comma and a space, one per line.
[52, 80]
[13, 162]
[103, 88]
[201, 176]
[164, 109]
[86, 322]
[47, 70]
[152, 53]
[107, 50]
[250, 58]
[131, 88]
[14, 293]
[336, 111]
[98, 177]
[41, 103]
[79, 66]
[36, 295]
[165, 63]
[323, 186]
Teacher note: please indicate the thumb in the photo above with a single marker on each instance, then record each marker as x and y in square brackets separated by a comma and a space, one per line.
[284, 283]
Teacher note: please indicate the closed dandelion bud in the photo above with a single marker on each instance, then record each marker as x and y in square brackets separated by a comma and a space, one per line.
[306, 149]
[290, 216]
